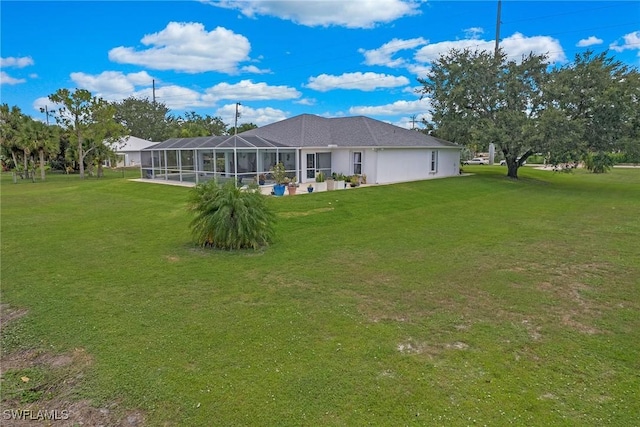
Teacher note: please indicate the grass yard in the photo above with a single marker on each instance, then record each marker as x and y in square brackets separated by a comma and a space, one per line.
[472, 300]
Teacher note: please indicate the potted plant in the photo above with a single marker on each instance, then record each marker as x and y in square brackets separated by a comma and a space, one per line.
[310, 188]
[340, 181]
[262, 179]
[331, 183]
[279, 175]
[292, 185]
[354, 181]
[321, 185]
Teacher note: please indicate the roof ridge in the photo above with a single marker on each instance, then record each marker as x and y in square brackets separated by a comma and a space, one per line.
[366, 123]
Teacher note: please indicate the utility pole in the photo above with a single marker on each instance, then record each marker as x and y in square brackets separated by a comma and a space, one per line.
[235, 143]
[45, 110]
[237, 115]
[413, 121]
[498, 29]
[154, 90]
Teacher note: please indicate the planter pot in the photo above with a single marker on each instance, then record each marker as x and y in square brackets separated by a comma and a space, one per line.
[309, 189]
[278, 190]
[321, 186]
[331, 185]
[261, 182]
[291, 189]
[340, 185]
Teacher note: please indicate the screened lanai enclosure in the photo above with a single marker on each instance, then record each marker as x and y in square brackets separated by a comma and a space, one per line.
[196, 160]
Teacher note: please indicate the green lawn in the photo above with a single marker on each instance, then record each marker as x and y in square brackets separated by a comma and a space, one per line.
[473, 300]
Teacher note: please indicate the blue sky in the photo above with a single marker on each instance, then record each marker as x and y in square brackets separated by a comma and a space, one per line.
[285, 57]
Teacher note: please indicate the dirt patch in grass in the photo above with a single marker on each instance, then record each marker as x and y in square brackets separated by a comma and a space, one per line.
[40, 388]
[567, 287]
[305, 213]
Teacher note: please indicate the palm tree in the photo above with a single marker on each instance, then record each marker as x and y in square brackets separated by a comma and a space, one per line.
[10, 119]
[45, 142]
[228, 217]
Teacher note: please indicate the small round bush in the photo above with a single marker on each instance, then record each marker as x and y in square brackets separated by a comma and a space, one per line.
[226, 217]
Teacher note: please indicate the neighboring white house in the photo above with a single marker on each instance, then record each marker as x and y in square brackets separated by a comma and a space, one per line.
[128, 150]
[307, 144]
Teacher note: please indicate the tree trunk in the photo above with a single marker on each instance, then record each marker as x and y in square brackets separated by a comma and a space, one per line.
[41, 164]
[512, 169]
[100, 171]
[26, 164]
[15, 159]
[81, 157]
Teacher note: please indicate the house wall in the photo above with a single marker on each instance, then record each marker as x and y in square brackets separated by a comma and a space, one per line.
[132, 158]
[390, 165]
[401, 165]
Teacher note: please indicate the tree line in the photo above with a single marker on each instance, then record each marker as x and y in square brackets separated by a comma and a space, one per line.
[586, 111]
[88, 130]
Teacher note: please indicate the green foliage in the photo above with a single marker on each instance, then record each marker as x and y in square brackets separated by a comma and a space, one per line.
[228, 218]
[320, 177]
[480, 99]
[598, 162]
[89, 122]
[587, 106]
[279, 174]
[193, 124]
[143, 118]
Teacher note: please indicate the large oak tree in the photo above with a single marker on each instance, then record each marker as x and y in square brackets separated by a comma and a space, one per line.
[478, 98]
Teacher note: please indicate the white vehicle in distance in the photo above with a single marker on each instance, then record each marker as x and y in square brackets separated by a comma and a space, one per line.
[504, 162]
[476, 161]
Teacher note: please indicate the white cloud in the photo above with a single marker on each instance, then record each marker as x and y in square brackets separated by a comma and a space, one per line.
[419, 107]
[359, 81]
[21, 62]
[246, 90]
[590, 41]
[515, 46]
[413, 121]
[174, 97]
[306, 101]
[112, 85]
[418, 69]
[473, 32]
[43, 102]
[631, 41]
[6, 79]
[384, 54]
[257, 116]
[188, 47]
[350, 14]
[254, 70]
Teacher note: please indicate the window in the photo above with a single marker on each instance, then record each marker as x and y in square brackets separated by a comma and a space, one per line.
[311, 166]
[433, 167]
[357, 163]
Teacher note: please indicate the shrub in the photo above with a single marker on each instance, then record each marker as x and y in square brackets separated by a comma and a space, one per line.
[598, 162]
[228, 218]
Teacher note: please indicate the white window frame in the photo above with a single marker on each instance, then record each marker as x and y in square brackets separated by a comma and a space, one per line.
[433, 162]
[357, 163]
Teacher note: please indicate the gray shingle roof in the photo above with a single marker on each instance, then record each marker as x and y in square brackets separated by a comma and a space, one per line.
[308, 130]
[223, 141]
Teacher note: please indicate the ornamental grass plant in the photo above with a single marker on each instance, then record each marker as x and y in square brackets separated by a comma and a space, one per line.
[227, 217]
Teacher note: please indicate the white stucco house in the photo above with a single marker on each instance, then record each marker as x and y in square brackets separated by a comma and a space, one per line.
[128, 150]
[306, 144]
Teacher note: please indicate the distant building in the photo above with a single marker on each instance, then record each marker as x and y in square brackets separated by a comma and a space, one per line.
[128, 151]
